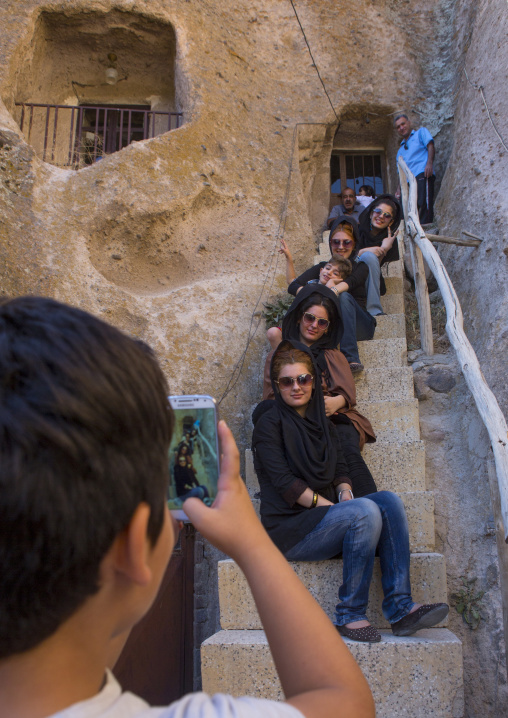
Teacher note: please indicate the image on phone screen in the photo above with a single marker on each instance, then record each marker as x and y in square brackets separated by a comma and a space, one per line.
[193, 453]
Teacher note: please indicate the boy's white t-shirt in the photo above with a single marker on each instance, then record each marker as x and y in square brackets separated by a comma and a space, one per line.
[112, 703]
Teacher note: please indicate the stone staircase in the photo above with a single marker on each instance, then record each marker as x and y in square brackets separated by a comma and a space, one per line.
[417, 676]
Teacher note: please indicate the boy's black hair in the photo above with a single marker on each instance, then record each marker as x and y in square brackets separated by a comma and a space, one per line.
[85, 427]
[343, 265]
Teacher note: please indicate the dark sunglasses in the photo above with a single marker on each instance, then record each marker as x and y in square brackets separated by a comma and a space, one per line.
[385, 215]
[309, 318]
[342, 243]
[286, 382]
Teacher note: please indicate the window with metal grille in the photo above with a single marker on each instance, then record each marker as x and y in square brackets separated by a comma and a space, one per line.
[354, 169]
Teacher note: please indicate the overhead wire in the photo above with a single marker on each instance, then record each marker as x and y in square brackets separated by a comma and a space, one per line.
[314, 64]
[237, 369]
[235, 375]
[480, 89]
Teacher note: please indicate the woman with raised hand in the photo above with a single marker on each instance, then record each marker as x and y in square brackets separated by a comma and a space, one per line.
[378, 225]
[307, 504]
[359, 325]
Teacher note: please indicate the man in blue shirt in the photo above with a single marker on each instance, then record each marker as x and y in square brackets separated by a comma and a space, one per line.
[418, 151]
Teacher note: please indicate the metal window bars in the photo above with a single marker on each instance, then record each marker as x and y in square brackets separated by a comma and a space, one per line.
[77, 136]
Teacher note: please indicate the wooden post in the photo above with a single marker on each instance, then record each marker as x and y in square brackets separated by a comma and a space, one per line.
[409, 202]
[485, 400]
[454, 240]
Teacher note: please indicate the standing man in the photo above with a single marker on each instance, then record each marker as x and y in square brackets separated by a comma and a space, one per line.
[418, 151]
[349, 207]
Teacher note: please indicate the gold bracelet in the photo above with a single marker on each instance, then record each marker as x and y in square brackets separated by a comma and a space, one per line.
[314, 500]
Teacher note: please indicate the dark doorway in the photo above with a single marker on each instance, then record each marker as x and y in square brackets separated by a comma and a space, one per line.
[354, 169]
[105, 130]
[157, 661]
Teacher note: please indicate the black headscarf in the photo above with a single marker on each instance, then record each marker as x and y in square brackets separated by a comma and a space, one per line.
[374, 240]
[309, 449]
[356, 233]
[333, 336]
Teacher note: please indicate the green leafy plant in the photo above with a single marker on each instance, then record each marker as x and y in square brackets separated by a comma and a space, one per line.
[468, 602]
[274, 312]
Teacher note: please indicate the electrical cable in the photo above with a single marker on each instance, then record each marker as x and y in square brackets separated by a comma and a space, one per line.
[237, 370]
[235, 375]
[313, 61]
[480, 90]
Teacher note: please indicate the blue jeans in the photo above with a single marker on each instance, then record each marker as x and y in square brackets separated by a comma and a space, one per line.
[355, 528]
[373, 283]
[358, 326]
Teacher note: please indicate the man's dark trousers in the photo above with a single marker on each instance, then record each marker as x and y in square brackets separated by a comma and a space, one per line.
[425, 199]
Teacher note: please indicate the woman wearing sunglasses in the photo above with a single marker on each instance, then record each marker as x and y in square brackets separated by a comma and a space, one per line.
[359, 325]
[378, 226]
[314, 320]
[307, 508]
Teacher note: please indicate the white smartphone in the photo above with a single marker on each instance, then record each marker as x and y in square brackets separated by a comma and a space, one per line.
[193, 452]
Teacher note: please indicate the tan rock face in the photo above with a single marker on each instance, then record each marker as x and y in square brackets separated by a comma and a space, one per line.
[173, 238]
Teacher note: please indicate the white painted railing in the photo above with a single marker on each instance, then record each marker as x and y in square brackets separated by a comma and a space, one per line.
[486, 402]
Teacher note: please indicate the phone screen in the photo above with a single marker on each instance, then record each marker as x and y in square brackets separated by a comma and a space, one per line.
[193, 452]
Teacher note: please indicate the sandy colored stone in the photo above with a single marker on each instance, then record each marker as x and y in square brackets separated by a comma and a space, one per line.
[384, 384]
[397, 467]
[322, 579]
[393, 421]
[383, 352]
[414, 677]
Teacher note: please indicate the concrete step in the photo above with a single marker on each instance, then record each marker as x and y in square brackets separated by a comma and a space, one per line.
[419, 507]
[393, 421]
[393, 303]
[394, 284]
[397, 467]
[322, 579]
[391, 325]
[382, 353]
[414, 677]
[380, 384]
[393, 269]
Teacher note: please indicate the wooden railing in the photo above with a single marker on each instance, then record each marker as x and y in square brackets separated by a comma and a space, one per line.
[486, 402]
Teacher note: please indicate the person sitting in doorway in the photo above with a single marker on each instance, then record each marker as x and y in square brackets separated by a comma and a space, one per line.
[365, 195]
[350, 207]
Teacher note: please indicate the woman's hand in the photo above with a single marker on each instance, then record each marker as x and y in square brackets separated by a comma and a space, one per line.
[347, 495]
[284, 249]
[387, 243]
[333, 404]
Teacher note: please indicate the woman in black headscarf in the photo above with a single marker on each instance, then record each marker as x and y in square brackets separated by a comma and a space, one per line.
[307, 503]
[337, 380]
[359, 324]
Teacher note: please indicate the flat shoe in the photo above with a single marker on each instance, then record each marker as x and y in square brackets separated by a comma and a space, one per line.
[356, 366]
[368, 634]
[424, 617]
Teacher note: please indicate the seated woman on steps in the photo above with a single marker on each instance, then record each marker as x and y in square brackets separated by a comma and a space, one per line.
[307, 504]
[359, 325]
[314, 319]
[378, 225]
[333, 272]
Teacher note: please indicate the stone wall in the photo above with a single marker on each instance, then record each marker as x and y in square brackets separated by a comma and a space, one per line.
[173, 239]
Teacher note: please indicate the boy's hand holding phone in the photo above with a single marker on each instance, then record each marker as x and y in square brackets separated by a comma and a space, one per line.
[230, 523]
